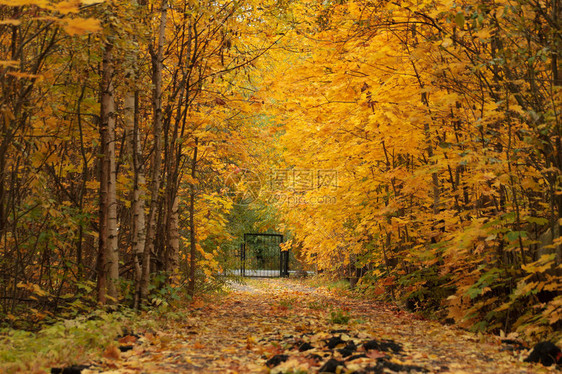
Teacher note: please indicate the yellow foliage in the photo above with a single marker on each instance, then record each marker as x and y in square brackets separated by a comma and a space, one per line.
[80, 26]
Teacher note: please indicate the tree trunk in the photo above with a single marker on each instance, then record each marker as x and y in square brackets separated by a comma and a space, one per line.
[108, 256]
[138, 203]
[157, 58]
[193, 236]
[138, 224]
[173, 245]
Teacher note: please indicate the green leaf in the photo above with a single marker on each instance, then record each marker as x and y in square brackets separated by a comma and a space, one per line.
[514, 235]
[459, 20]
[537, 220]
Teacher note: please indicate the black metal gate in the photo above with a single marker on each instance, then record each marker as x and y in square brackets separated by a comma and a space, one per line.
[261, 256]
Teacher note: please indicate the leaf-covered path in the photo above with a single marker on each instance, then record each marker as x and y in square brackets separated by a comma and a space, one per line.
[286, 327]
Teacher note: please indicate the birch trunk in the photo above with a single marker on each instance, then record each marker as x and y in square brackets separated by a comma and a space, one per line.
[108, 256]
[138, 202]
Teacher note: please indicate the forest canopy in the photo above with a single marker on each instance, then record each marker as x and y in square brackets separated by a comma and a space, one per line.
[413, 145]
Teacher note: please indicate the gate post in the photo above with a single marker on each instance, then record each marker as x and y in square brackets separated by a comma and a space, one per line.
[284, 266]
[281, 262]
[243, 259]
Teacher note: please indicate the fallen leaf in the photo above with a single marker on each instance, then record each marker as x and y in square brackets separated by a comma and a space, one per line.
[112, 353]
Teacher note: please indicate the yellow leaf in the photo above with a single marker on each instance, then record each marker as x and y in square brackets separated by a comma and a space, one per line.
[21, 75]
[40, 3]
[9, 63]
[79, 26]
[66, 7]
[483, 34]
[13, 22]
[447, 42]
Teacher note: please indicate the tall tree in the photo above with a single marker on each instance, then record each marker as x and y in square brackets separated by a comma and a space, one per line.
[157, 56]
[108, 258]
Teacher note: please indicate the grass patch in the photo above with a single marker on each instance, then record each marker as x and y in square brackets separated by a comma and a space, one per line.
[288, 302]
[340, 286]
[316, 305]
[339, 317]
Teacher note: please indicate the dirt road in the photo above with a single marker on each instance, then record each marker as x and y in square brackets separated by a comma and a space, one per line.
[281, 326]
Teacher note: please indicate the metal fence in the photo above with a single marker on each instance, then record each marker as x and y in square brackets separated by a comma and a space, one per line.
[261, 256]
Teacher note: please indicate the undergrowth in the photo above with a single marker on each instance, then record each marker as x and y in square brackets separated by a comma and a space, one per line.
[64, 343]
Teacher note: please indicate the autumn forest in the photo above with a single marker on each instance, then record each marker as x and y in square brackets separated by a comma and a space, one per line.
[410, 148]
